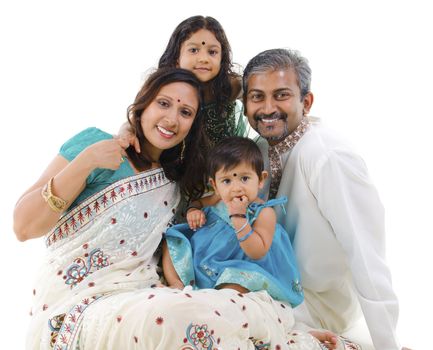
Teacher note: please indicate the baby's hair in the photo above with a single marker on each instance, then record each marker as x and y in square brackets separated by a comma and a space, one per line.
[220, 85]
[233, 151]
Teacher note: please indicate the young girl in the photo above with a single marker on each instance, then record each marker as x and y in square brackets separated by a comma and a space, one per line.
[199, 44]
[235, 242]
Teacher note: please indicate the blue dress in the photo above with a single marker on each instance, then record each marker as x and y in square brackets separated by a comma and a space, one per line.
[212, 256]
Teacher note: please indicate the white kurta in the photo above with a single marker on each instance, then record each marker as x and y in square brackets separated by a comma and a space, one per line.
[336, 221]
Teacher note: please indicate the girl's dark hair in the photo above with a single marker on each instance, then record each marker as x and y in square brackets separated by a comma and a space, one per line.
[189, 172]
[220, 86]
[232, 151]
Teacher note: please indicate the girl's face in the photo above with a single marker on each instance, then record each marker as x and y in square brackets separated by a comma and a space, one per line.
[242, 180]
[201, 54]
[169, 117]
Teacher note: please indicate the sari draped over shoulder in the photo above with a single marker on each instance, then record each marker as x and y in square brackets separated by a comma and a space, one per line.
[102, 247]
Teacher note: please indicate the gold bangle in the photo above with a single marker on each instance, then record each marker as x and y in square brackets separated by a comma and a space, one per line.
[56, 204]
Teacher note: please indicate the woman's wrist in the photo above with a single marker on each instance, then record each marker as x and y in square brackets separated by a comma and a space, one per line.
[86, 160]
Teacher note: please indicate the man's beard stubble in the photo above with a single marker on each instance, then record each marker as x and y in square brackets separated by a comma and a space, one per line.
[277, 116]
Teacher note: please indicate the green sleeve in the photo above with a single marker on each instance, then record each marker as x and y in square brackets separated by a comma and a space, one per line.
[243, 127]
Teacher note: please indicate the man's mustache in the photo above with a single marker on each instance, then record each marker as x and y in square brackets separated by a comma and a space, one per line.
[275, 115]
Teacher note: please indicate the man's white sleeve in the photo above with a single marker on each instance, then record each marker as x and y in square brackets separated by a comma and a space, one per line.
[350, 202]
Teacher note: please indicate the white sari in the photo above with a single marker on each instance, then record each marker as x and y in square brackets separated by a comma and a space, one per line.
[96, 289]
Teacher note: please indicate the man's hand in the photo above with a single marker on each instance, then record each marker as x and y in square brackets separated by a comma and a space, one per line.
[327, 338]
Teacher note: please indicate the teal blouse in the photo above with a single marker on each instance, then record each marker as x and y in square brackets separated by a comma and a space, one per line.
[98, 178]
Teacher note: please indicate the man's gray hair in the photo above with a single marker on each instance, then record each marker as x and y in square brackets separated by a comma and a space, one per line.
[276, 60]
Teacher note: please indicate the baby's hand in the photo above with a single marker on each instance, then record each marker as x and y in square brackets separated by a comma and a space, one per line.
[237, 205]
[195, 218]
[327, 338]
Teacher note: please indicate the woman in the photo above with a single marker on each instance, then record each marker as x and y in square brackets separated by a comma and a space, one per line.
[105, 209]
[113, 223]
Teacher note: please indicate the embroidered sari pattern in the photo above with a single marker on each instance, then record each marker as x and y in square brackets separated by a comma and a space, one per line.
[82, 267]
[96, 288]
[71, 322]
[73, 221]
[110, 246]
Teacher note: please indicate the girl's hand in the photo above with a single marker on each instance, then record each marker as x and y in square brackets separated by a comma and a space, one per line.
[237, 205]
[106, 154]
[195, 218]
[127, 134]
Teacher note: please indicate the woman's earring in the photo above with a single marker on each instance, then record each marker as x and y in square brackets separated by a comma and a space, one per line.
[182, 152]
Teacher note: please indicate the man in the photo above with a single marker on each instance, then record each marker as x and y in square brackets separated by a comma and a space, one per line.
[334, 215]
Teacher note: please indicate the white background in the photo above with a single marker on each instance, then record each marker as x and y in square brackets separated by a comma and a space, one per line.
[69, 65]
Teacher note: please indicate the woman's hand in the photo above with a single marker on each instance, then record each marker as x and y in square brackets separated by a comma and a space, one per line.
[32, 216]
[106, 154]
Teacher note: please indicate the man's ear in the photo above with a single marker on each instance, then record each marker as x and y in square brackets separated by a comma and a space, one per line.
[263, 178]
[308, 102]
[212, 183]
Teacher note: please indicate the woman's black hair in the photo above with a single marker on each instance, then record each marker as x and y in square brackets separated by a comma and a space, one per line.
[187, 167]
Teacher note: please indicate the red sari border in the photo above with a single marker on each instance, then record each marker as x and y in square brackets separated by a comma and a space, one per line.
[100, 202]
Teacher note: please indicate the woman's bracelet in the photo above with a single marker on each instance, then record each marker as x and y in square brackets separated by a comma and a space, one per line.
[244, 238]
[238, 216]
[55, 203]
[243, 226]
